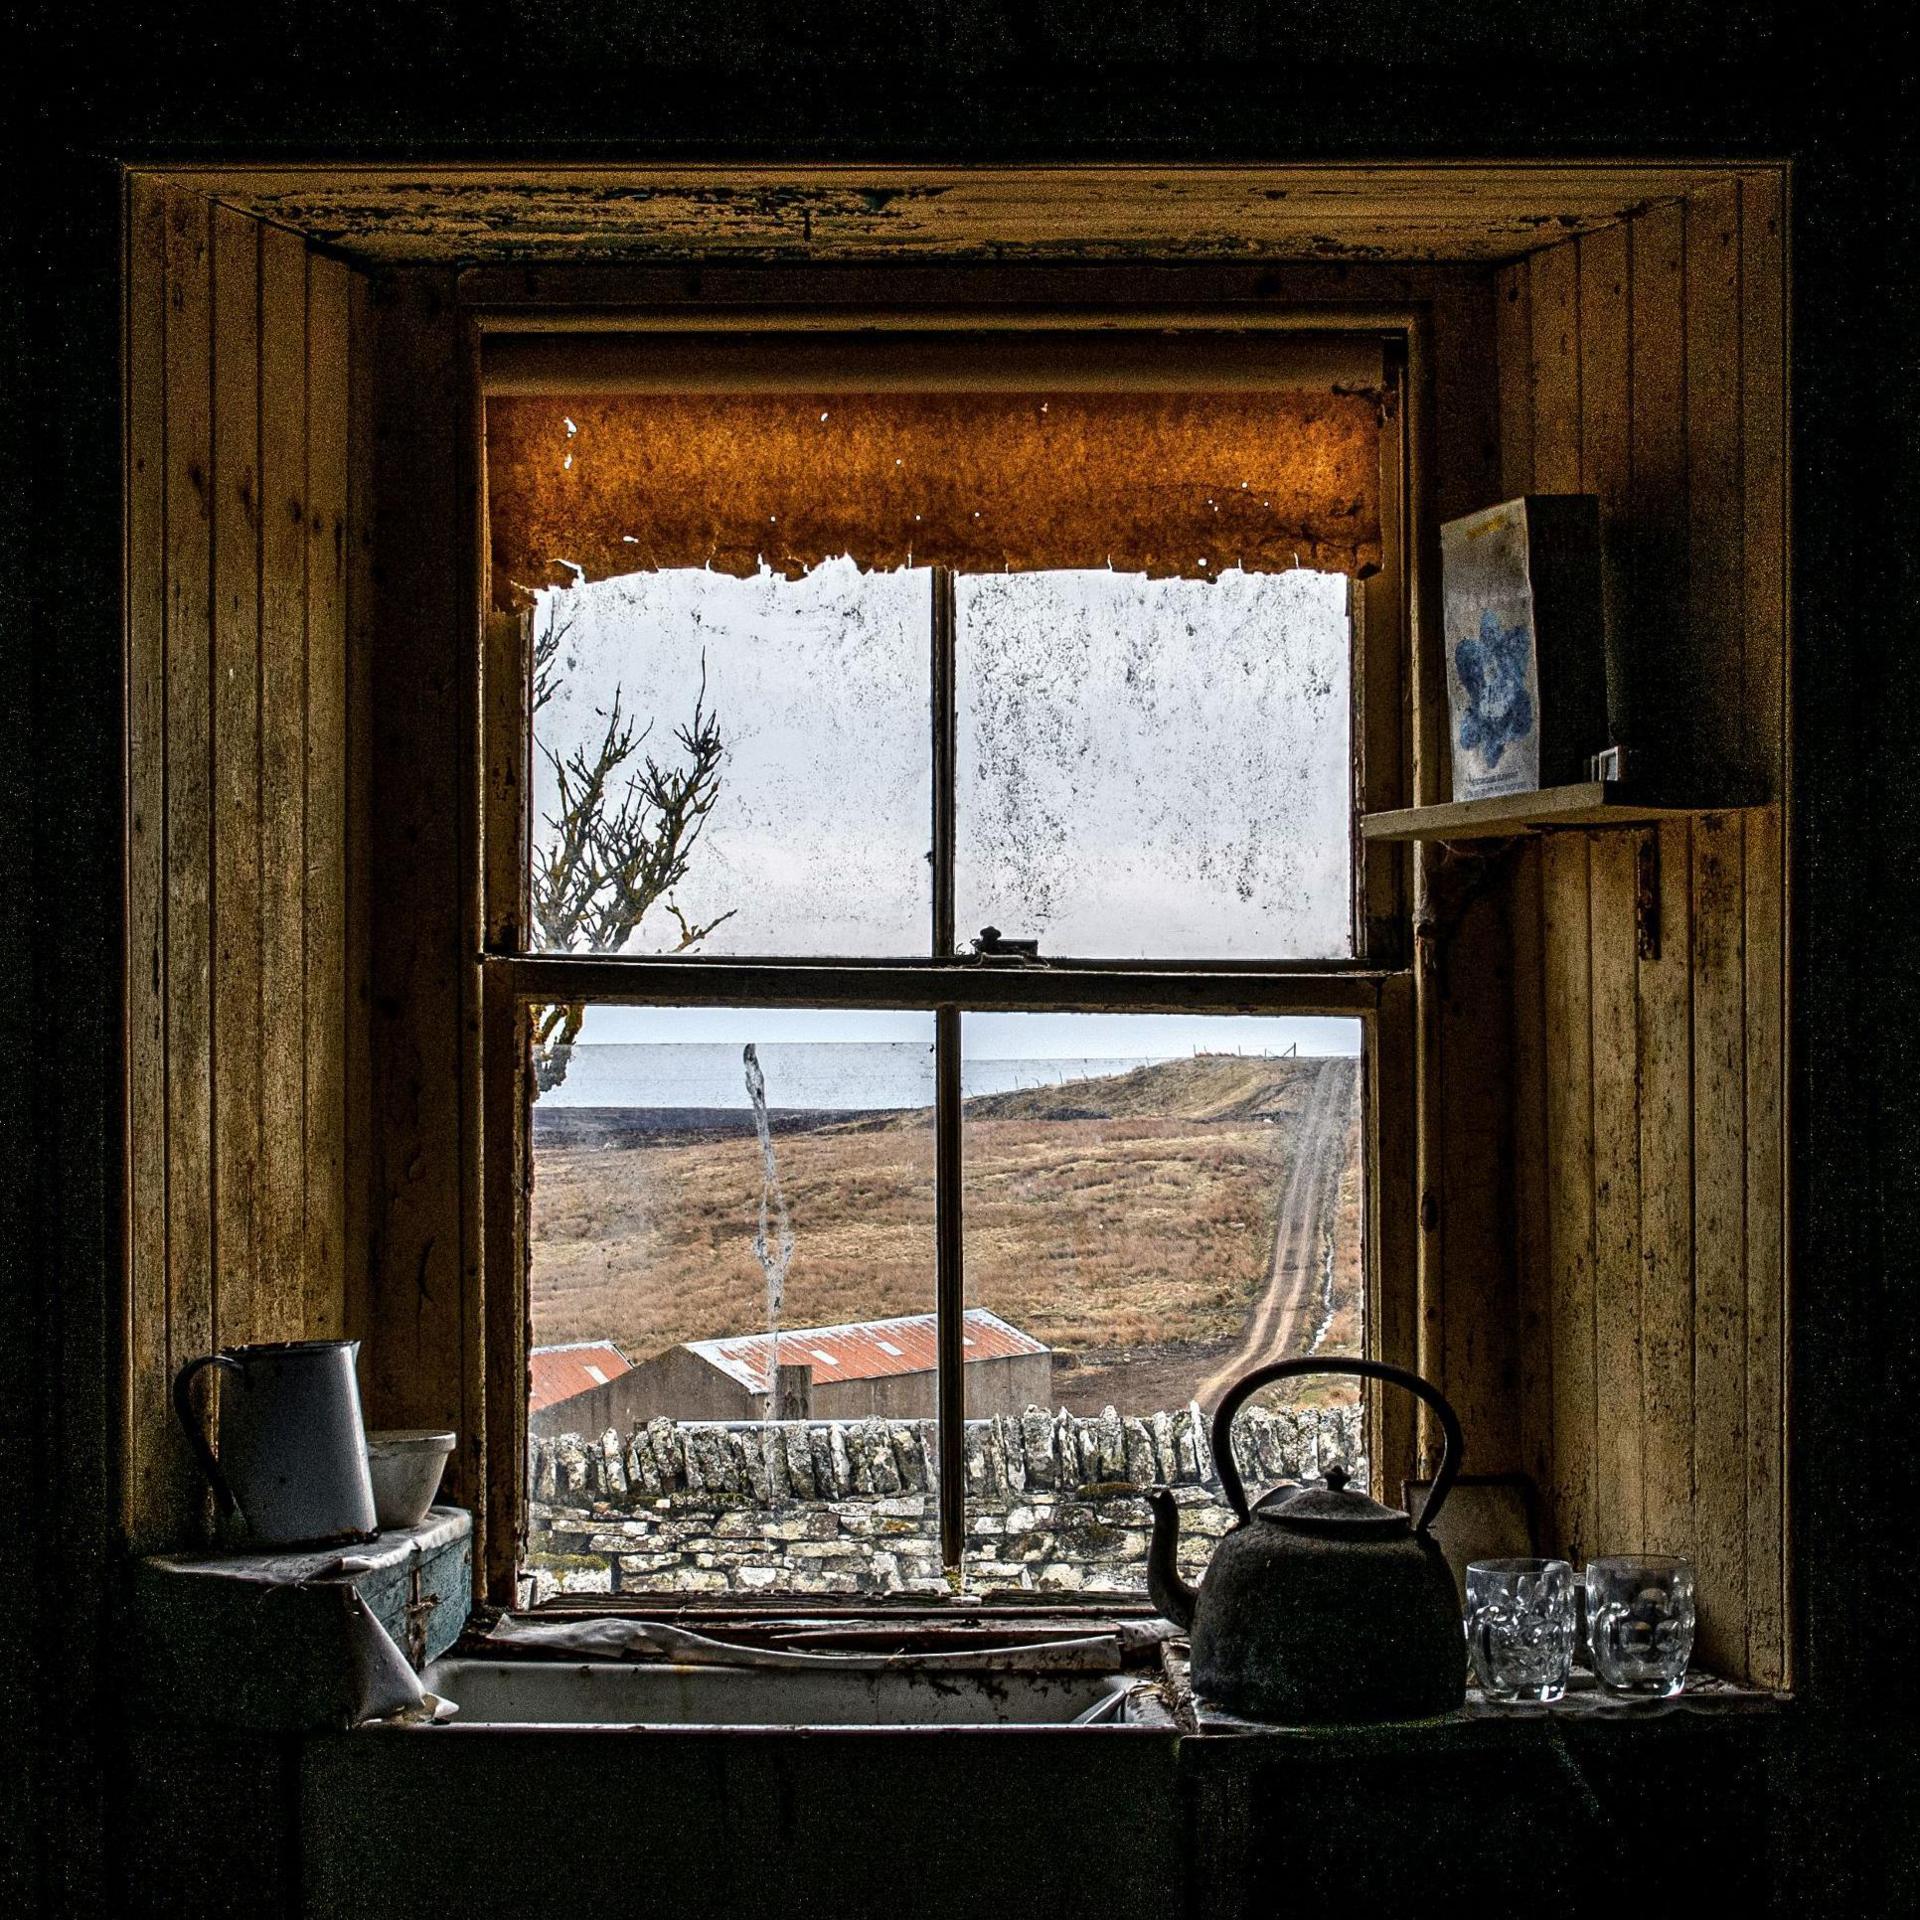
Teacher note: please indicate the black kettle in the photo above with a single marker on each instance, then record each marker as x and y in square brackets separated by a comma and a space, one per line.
[1321, 1605]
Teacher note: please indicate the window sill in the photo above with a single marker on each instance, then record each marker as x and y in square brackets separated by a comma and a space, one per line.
[1585, 1704]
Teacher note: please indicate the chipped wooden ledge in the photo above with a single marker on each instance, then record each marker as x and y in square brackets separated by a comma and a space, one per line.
[1585, 1703]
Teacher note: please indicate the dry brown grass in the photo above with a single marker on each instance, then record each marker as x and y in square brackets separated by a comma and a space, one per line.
[1135, 1246]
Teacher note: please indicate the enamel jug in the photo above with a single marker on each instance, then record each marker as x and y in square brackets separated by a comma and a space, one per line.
[293, 1447]
[1321, 1605]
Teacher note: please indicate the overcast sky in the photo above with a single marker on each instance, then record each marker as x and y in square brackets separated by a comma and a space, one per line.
[1146, 768]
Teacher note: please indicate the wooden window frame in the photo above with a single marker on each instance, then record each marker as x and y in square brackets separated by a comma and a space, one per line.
[1374, 985]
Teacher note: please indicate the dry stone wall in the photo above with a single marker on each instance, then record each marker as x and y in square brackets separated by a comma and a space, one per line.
[852, 1507]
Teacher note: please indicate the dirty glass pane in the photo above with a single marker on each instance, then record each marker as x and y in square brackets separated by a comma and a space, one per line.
[1155, 768]
[693, 1247]
[732, 766]
[1154, 1206]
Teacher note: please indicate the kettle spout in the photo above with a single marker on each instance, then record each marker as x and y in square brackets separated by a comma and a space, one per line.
[1165, 1588]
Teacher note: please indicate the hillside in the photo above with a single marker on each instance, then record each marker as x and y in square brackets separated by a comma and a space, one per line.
[1129, 1220]
[1209, 1086]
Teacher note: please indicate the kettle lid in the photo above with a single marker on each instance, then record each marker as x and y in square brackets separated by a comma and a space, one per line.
[1333, 1510]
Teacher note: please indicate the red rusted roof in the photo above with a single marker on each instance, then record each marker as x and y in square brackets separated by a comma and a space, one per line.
[867, 1350]
[561, 1372]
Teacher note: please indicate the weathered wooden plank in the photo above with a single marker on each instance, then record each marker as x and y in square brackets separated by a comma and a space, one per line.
[1664, 1043]
[1556, 370]
[1768, 1640]
[1651, 580]
[507, 735]
[508, 1190]
[1716, 522]
[589, 296]
[280, 1304]
[1479, 1349]
[236, 896]
[1514, 352]
[359, 618]
[1392, 1210]
[1383, 738]
[1618, 1472]
[1431, 1128]
[189, 828]
[479, 1467]
[149, 1443]
[1566, 973]
[1466, 396]
[1763, 471]
[1606, 409]
[1566, 961]
[1533, 1247]
[326, 937]
[415, 1357]
[1458, 211]
[1513, 348]
[1719, 1241]
[1605, 305]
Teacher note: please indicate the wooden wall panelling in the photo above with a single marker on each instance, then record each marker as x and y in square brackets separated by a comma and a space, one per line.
[1513, 340]
[1646, 364]
[330, 1031]
[1478, 1348]
[1618, 1502]
[236, 892]
[187, 669]
[1651, 543]
[1532, 1247]
[1763, 362]
[1392, 1216]
[280, 1310]
[1719, 1223]
[1716, 528]
[1566, 962]
[1605, 416]
[505, 689]
[148, 1447]
[1567, 1047]
[235, 971]
[1650, 540]
[357, 1205]
[415, 1367]
[1664, 1045]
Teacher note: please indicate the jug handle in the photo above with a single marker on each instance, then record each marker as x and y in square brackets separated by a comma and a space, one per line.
[196, 1438]
[1230, 1403]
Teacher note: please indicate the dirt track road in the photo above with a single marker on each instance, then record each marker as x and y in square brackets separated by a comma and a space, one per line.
[1288, 1315]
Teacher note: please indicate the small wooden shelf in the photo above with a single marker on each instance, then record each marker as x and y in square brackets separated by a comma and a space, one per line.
[1590, 804]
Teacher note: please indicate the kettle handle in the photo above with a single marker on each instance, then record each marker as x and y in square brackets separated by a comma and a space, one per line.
[196, 1437]
[1236, 1394]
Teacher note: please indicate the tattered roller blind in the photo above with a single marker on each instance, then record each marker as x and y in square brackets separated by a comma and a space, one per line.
[1164, 455]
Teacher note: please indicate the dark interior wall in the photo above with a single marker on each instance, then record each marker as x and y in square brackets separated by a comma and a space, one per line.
[959, 80]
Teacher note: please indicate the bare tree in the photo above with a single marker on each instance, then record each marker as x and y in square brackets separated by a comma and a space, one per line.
[618, 842]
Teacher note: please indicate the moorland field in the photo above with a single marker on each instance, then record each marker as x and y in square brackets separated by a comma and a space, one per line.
[1133, 1221]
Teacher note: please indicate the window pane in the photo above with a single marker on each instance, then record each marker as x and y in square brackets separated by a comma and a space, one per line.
[775, 793]
[684, 1262]
[1155, 768]
[1159, 1204]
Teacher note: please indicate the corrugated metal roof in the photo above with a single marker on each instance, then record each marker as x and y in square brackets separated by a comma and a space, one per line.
[561, 1372]
[866, 1350]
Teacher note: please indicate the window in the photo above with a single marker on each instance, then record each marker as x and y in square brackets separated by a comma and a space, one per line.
[928, 929]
